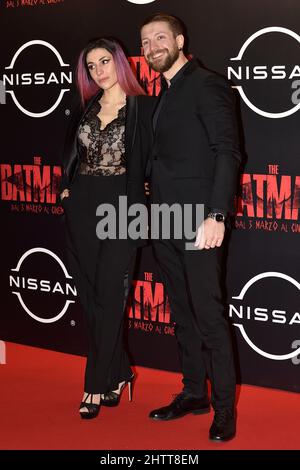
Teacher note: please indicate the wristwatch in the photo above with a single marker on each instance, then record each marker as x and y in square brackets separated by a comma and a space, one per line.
[217, 216]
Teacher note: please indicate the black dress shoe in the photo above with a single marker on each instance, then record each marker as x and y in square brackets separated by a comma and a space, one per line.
[181, 406]
[223, 427]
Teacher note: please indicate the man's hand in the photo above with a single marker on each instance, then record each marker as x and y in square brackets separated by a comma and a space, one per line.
[210, 234]
[64, 193]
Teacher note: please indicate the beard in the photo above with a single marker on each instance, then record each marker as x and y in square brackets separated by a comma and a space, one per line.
[163, 65]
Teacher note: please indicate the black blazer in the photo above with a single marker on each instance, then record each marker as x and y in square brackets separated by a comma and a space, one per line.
[137, 145]
[196, 147]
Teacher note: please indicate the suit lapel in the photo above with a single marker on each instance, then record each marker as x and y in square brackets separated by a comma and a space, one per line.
[90, 104]
[131, 123]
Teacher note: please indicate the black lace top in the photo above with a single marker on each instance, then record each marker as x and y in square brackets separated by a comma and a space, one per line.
[103, 151]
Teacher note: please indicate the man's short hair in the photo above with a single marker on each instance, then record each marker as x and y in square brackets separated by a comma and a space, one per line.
[175, 23]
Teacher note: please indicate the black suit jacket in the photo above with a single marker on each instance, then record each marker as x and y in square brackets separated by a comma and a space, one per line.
[196, 152]
[137, 145]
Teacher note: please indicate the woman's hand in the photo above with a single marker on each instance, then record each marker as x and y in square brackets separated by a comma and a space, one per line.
[64, 193]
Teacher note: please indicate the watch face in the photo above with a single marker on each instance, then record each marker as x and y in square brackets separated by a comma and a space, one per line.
[220, 217]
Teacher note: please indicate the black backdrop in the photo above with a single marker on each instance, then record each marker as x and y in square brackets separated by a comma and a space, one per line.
[38, 299]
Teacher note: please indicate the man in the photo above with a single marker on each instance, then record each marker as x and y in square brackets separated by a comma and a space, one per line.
[195, 159]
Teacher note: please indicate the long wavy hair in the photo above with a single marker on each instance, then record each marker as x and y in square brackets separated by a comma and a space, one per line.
[126, 78]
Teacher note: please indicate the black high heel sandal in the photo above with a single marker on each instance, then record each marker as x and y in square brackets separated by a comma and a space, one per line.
[92, 408]
[113, 398]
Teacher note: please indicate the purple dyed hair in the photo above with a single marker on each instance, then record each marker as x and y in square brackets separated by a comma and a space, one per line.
[126, 78]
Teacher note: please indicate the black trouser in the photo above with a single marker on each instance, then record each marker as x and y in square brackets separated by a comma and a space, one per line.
[192, 280]
[193, 283]
[98, 267]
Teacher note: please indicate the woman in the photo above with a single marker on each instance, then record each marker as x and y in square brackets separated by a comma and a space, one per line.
[104, 158]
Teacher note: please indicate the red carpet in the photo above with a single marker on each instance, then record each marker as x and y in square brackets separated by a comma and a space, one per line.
[41, 390]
